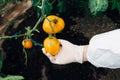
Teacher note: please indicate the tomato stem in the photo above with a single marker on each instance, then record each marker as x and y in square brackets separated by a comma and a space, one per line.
[50, 36]
[36, 25]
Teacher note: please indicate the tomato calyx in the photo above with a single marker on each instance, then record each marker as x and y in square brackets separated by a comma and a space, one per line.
[55, 21]
[51, 36]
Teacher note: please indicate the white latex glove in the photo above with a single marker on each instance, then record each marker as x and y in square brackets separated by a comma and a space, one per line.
[68, 53]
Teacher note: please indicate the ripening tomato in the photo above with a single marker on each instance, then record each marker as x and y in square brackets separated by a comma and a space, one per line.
[53, 24]
[27, 43]
[52, 45]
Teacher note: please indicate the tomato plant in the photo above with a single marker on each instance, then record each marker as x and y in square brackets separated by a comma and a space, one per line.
[52, 45]
[53, 24]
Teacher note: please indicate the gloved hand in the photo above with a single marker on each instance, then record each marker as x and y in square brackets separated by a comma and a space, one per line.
[68, 53]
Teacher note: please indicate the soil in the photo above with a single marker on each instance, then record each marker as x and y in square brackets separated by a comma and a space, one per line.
[78, 30]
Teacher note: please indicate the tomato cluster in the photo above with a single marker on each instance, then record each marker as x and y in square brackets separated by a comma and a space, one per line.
[52, 25]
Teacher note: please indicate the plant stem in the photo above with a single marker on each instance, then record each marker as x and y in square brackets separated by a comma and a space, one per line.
[13, 36]
[36, 25]
[26, 57]
[41, 18]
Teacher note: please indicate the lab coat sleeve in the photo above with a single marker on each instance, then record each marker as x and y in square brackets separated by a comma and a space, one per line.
[104, 50]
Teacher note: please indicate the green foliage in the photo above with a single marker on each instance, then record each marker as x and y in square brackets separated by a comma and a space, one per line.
[37, 2]
[77, 7]
[61, 6]
[12, 77]
[46, 6]
[98, 6]
[115, 4]
[42, 7]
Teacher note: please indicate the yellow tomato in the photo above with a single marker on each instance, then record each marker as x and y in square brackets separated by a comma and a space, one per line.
[27, 43]
[53, 24]
[52, 45]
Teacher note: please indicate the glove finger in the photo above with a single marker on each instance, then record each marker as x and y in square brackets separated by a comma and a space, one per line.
[43, 50]
[45, 53]
[50, 57]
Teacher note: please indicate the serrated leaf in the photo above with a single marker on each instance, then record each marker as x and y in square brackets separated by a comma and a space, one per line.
[61, 6]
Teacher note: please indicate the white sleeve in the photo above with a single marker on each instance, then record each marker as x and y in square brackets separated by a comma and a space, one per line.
[104, 50]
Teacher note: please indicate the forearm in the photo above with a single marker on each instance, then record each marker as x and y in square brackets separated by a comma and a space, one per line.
[104, 50]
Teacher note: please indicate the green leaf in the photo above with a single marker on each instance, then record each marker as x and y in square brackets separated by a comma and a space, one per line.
[0, 59]
[61, 6]
[114, 4]
[38, 12]
[47, 7]
[12, 77]
[98, 6]
[118, 6]
[37, 2]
